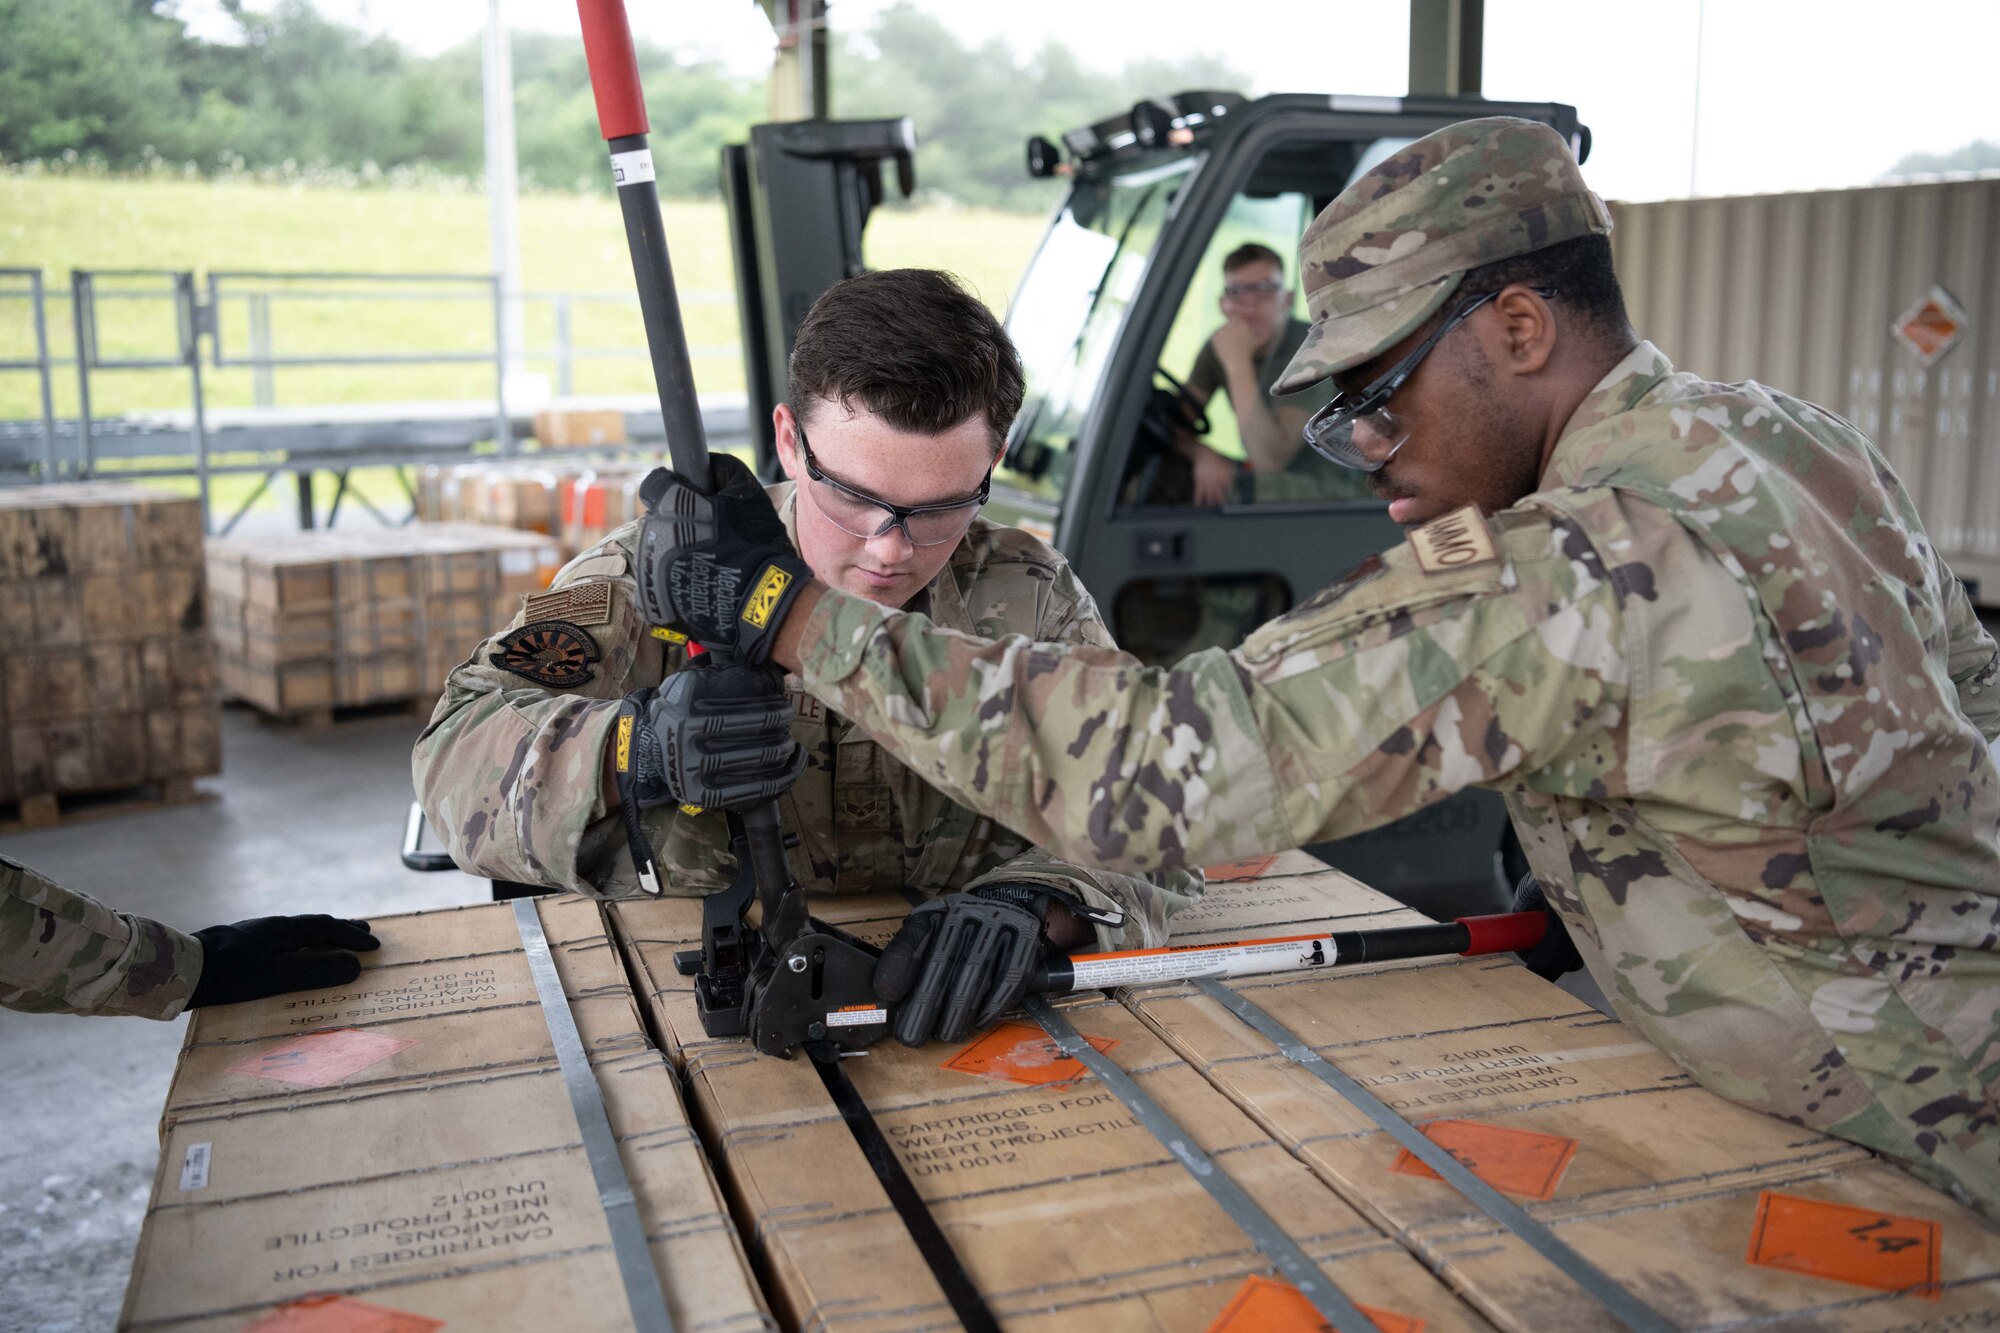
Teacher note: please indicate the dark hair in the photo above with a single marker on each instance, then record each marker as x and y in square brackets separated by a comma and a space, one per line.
[912, 346]
[1250, 252]
[1579, 269]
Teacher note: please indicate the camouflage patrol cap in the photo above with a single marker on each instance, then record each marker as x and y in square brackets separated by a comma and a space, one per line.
[1395, 245]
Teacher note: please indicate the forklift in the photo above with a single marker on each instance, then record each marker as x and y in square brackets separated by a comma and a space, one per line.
[1119, 298]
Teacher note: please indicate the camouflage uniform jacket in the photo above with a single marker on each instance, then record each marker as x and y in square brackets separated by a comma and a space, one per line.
[508, 769]
[67, 953]
[1737, 704]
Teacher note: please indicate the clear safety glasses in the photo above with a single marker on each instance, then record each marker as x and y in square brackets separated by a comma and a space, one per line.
[1358, 430]
[859, 514]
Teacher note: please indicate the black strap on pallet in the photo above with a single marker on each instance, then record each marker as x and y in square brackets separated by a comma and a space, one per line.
[1628, 1309]
[932, 1243]
[1270, 1239]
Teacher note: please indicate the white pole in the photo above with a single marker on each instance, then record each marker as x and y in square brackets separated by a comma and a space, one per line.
[1694, 136]
[502, 189]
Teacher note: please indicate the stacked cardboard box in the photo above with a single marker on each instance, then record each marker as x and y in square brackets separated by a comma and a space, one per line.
[109, 677]
[401, 1153]
[313, 621]
[574, 502]
[1062, 1209]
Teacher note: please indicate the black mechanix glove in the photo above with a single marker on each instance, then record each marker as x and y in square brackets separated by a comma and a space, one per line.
[717, 567]
[713, 737]
[275, 954]
[960, 962]
[1556, 954]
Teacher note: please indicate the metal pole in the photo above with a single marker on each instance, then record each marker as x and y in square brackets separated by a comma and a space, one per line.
[190, 320]
[1694, 130]
[264, 389]
[503, 428]
[81, 315]
[502, 187]
[565, 358]
[45, 371]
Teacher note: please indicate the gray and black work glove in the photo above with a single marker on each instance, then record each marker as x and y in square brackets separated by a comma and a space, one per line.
[1556, 955]
[714, 737]
[960, 962]
[275, 954]
[717, 567]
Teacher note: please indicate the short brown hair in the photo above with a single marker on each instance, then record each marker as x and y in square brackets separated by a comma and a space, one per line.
[1248, 253]
[912, 346]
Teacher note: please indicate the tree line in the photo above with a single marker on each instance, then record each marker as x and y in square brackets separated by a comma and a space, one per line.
[125, 86]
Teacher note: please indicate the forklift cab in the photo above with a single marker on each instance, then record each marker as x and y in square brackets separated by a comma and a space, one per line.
[1117, 303]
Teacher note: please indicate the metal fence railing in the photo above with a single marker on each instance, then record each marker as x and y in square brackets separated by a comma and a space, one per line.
[256, 321]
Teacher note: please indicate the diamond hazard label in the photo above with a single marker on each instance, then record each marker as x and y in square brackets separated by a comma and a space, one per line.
[1228, 872]
[1931, 327]
[322, 1059]
[1886, 1251]
[1262, 1305]
[1018, 1053]
[1517, 1161]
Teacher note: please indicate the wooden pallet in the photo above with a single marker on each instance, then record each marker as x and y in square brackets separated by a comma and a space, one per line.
[50, 809]
[321, 718]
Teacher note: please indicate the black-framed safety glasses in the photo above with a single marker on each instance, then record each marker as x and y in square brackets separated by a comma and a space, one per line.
[1358, 430]
[859, 514]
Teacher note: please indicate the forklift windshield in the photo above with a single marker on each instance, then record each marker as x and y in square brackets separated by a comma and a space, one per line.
[1067, 313]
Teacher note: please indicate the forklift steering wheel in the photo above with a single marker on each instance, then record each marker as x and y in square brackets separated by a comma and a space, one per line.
[1195, 414]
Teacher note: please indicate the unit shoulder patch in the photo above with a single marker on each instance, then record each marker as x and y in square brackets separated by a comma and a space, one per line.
[577, 603]
[1456, 541]
[555, 653]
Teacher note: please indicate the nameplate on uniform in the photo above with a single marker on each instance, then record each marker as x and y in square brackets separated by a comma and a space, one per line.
[806, 707]
[579, 604]
[1457, 541]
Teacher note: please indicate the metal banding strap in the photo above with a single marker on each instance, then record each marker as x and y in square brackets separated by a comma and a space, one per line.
[1623, 1305]
[643, 1293]
[935, 1247]
[1266, 1234]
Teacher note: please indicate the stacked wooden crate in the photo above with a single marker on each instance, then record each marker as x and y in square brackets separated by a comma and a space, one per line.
[109, 677]
[577, 503]
[309, 622]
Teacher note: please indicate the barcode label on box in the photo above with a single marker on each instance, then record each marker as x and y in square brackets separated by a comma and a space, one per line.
[194, 1167]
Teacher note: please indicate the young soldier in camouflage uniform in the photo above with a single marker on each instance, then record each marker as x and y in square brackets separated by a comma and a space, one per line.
[902, 388]
[1694, 633]
[67, 953]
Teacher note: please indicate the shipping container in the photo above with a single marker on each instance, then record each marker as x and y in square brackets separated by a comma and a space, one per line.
[1880, 303]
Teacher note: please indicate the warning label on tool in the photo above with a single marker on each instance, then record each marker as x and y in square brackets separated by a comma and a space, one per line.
[1100, 971]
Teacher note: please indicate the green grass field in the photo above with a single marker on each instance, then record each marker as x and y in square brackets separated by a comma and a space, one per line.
[569, 243]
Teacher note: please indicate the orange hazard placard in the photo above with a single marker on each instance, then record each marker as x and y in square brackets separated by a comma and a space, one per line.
[1886, 1251]
[1227, 872]
[1018, 1053]
[1518, 1161]
[1262, 1305]
[341, 1314]
[322, 1059]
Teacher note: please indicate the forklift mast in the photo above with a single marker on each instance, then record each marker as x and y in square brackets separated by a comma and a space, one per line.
[798, 196]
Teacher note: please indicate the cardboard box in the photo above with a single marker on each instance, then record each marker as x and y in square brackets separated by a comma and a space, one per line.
[557, 428]
[406, 1144]
[319, 620]
[1579, 1120]
[102, 586]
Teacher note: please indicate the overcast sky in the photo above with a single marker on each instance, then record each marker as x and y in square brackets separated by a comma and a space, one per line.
[1794, 94]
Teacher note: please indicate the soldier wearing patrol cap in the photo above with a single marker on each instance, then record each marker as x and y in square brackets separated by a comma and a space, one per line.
[1693, 632]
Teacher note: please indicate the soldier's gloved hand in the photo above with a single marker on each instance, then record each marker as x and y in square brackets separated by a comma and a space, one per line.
[717, 737]
[1556, 954]
[718, 567]
[275, 954]
[957, 964]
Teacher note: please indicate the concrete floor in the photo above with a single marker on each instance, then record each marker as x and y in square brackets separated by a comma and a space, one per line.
[304, 822]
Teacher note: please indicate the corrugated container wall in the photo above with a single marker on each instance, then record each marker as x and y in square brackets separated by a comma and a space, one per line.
[1799, 291]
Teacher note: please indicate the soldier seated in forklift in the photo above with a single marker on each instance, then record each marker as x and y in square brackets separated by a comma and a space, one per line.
[1260, 333]
[902, 388]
